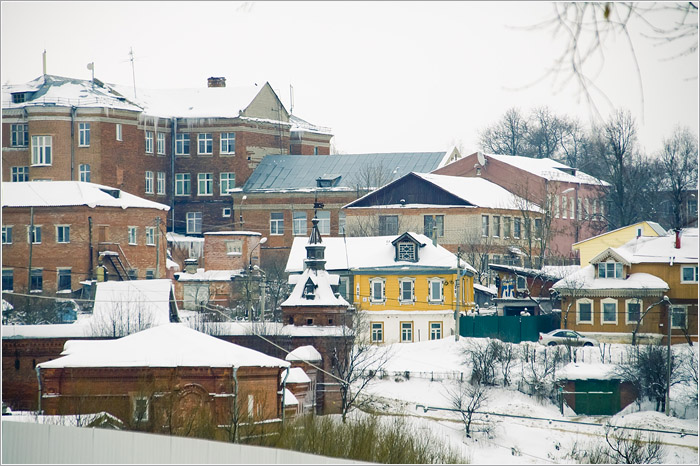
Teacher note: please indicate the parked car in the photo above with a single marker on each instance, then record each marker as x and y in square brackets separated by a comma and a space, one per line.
[566, 337]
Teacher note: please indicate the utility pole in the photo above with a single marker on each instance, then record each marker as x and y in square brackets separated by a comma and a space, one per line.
[157, 247]
[668, 362]
[459, 296]
[31, 241]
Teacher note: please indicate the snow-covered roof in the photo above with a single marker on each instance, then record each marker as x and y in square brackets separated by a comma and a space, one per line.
[486, 289]
[296, 375]
[208, 275]
[236, 232]
[660, 249]
[304, 353]
[289, 398]
[323, 294]
[71, 193]
[170, 345]
[548, 169]
[368, 252]
[299, 125]
[591, 371]
[585, 280]
[549, 272]
[171, 264]
[653, 225]
[180, 238]
[67, 92]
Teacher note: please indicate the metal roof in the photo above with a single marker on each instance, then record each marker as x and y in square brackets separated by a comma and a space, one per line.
[301, 171]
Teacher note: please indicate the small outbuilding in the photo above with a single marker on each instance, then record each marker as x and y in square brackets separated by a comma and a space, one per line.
[594, 389]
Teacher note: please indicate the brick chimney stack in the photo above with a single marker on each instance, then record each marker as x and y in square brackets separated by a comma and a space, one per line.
[678, 239]
[216, 82]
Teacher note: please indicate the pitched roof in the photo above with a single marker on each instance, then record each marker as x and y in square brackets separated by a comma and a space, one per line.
[323, 294]
[548, 169]
[299, 172]
[585, 280]
[659, 249]
[71, 193]
[171, 345]
[658, 229]
[304, 353]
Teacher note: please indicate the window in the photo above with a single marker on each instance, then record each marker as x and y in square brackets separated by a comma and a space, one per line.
[227, 182]
[20, 135]
[578, 208]
[34, 236]
[538, 228]
[376, 286]
[634, 310]
[324, 222]
[584, 311]
[496, 226]
[234, 247]
[133, 274]
[132, 235]
[692, 208]
[428, 225]
[150, 274]
[41, 150]
[315, 150]
[506, 227]
[84, 170]
[516, 227]
[251, 406]
[520, 283]
[689, 274]
[150, 236]
[610, 270]
[276, 223]
[299, 223]
[556, 206]
[63, 282]
[226, 212]
[609, 315]
[527, 226]
[194, 222]
[435, 330]
[586, 209]
[20, 174]
[7, 234]
[36, 280]
[140, 409]
[149, 142]
[160, 185]
[205, 184]
[377, 332]
[484, 225]
[341, 223]
[406, 291]
[435, 290]
[228, 144]
[343, 287]
[160, 147]
[118, 131]
[149, 182]
[406, 251]
[572, 212]
[8, 280]
[388, 225]
[406, 332]
[63, 233]
[205, 144]
[182, 184]
[182, 144]
[678, 317]
[83, 134]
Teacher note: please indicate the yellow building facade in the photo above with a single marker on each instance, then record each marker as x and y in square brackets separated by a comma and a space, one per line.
[591, 247]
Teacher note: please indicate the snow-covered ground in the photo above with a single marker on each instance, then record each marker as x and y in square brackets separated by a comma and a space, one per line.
[516, 440]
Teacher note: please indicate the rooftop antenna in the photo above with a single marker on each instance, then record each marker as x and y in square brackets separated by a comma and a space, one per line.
[291, 99]
[133, 70]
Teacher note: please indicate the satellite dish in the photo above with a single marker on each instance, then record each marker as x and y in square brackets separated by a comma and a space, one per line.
[480, 157]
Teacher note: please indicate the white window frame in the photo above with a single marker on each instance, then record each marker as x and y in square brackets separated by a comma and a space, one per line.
[341, 222]
[60, 237]
[412, 289]
[299, 223]
[227, 180]
[484, 226]
[20, 174]
[150, 274]
[160, 143]
[135, 416]
[506, 227]
[324, 222]
[603, 302]
[182, 140]
[42, 150]
[586, 209]
[83, 134]
[684, 267]
[441, 284]
[31, 236]
[616, 269]
[160, 183]
[205, 143]
[224, 144]
[518, 279]
[118, 131]
[182, 181]
[226, 212]
[149, 182]
[627, 310]
[672, 309]
[205, 184]
[382, 283]
[538, 229]
[277, 224]
[7, 234]
[517, 232]
[496, 226]
[406, 251]
[132, 234]
[556, 206]
[58, 278]
[19, 135]
[403, 327]
[149, 142]
[432, 333]
[193, 220]
[377, 332]
[84, 172]
[578, 311]
[150, 236]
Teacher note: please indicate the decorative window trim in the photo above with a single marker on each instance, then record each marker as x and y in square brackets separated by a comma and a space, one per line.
[380, 328]
[430, 329]
[401, 327]
[372, 299]
[603, 302]
[441, 282]
[627, 312]
[578, 311]
[695, 267]
[401, 298]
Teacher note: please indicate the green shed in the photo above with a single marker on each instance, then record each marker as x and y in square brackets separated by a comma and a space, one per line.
[594, 389]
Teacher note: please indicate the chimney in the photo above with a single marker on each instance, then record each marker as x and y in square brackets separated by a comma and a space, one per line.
[216, 82]
[43, 56]
[678, 239]
[191, 265]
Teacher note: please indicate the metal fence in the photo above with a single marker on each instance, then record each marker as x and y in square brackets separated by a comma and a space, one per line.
[513, 329]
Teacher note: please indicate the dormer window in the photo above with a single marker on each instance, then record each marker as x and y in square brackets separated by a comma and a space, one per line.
[406, 252]
[19, 97]
[309, 290]
[610, 270]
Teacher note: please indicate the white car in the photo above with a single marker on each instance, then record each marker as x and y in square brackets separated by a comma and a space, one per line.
[566, 337]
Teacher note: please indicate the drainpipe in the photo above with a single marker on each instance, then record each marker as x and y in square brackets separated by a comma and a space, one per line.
[73, 111]
[284, 388]
[38, 378]
[173, 144]
[235, 403]
[90, 264]
[31, 242]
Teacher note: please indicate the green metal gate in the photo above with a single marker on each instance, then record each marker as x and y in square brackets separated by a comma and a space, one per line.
[513, 329]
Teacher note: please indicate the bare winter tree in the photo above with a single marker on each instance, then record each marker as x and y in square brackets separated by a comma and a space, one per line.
[508, 136]
[678, 164]
[574, 143]
[120, 318]
[467, 398]
[476, 248]
[544, 134]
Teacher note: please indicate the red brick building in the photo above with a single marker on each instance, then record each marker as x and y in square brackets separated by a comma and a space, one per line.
[185, 148]
[574, 200]
[77, 227]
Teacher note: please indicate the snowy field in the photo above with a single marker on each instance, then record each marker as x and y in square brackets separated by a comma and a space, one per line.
[517, 440]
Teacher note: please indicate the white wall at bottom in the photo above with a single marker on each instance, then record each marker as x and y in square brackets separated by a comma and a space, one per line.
[421, 323]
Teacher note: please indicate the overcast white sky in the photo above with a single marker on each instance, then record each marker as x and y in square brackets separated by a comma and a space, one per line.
[394, 76]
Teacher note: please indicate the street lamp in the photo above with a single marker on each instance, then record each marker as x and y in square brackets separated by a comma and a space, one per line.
[240, 214]
[250, 256]
[249, 276]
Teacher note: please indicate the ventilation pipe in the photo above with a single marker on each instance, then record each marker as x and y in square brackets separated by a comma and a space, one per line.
[678, 239]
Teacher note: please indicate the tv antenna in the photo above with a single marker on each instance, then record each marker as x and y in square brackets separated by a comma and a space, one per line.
[133, 68]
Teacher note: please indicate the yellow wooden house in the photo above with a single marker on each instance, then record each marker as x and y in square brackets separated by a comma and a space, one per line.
[591, 247]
